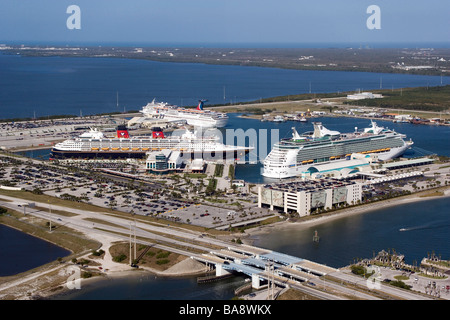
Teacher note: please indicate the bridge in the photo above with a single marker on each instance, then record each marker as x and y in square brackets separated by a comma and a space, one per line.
[263, 265]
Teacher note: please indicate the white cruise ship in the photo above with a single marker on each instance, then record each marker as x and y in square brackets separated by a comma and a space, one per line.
[294, 156]
[194, 117]
[94, 144]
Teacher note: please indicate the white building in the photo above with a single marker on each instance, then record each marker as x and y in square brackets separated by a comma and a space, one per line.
[364, 95]
[308, 196]
[163, 161]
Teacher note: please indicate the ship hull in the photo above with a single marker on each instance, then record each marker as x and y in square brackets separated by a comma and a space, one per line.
[294, 171]
[185, 155]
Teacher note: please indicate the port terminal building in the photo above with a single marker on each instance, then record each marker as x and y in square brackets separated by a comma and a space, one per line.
[167, 161]
[308, 196]
[163, 161]
[342, 169]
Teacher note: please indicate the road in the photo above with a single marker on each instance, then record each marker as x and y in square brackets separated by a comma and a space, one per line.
[183, 242]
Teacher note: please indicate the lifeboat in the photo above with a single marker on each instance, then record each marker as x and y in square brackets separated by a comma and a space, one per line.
[145, 149]
[125, 149]
[115, 149]
[105, 149]
[135, 149]
[94, 149]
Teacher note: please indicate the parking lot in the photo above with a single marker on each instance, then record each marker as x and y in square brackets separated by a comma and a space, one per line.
[159, 201]
[433, 287]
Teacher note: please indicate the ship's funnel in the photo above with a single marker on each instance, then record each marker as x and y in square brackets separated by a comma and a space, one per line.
[200, 104]
[320, 131]
[122, 132]
[157, 133]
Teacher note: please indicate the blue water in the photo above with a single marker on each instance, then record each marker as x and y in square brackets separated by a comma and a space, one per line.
[20, 252]
[426, 224]
[427, 139]
[148, 287]
[342, 241]
[43, 86]
[47, 86]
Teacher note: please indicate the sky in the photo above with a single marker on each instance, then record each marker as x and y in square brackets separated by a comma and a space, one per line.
[209, 22]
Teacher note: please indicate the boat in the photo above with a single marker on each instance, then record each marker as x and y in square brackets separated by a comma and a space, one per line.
[95, 145]
[295, 156]
[195, 117]
[278, 119]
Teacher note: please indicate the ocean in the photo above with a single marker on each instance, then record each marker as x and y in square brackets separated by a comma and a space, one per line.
[45, 86]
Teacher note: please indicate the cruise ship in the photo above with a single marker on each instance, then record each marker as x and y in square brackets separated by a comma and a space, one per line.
[294, 156]
[195, 117]
[95, 145]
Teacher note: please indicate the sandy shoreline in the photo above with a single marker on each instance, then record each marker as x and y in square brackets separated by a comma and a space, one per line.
[250, 234]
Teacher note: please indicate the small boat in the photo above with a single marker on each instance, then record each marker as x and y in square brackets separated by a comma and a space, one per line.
[278, 119]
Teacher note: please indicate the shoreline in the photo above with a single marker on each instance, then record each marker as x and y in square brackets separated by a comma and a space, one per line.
[251, 235]
[184, 268]
[248, 238]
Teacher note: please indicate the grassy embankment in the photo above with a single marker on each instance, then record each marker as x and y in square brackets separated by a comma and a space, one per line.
[423, 102]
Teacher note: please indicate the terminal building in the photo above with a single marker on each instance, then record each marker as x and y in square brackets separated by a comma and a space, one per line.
[171, 161]
[163, 161]
[364, 95]
[342, 169]
[306, 197]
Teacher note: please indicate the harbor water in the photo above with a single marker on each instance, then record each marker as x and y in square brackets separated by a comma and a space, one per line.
[342, 241]
[47, 86]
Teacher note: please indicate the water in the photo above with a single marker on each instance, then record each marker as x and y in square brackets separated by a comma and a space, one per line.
[149, 287]
[48, 86]
[427, 139]
[341, 242]
[415, 230]
[20, 252]
[40, 154]
[43, 86]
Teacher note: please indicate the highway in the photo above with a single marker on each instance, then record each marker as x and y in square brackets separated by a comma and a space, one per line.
[185, 242]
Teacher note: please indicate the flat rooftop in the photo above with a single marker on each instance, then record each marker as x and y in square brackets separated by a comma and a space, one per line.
[309, 185]
[418, 161]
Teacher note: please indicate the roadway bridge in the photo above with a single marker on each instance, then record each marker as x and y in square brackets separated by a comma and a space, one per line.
[262, 264]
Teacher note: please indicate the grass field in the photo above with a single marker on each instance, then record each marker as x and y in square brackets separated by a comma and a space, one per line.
[435, 99]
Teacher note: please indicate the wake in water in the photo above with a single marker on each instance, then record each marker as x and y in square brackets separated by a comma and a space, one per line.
[430, 225]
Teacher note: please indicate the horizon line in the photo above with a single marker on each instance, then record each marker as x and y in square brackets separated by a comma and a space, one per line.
[262, 45]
